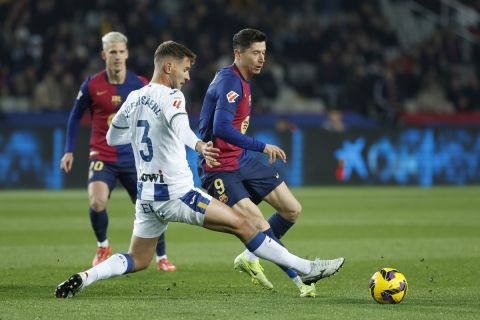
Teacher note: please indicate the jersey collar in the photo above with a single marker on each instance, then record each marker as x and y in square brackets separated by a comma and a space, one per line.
[238, 70]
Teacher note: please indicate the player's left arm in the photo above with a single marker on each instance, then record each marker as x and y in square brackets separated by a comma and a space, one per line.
[181, 127]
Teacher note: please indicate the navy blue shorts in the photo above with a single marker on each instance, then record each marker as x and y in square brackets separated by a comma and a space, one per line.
[109, 172]
[253, 180]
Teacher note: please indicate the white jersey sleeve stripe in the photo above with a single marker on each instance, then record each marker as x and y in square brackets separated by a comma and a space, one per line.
[177, 114]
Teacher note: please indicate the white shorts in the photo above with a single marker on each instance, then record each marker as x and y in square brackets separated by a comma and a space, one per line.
[152, 217]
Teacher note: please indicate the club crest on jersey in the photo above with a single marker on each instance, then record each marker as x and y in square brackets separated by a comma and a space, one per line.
[231, 96]
[244, 125]
[116, 100]
[223, 198]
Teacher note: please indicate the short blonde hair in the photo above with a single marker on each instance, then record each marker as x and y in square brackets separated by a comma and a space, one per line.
[114, 37]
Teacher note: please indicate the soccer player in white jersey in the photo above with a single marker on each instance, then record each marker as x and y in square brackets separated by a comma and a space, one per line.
[154, 120]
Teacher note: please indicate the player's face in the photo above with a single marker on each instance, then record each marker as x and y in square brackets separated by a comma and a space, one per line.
[252, 59]
[115, 56]
[180, 73]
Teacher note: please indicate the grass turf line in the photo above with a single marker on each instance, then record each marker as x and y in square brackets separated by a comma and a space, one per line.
[429, 234]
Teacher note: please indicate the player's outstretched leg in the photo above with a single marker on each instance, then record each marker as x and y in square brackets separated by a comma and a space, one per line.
[139, 258]
[220, 217]
[312, 271]
[116, 265]
[322, 269]
[69, 287]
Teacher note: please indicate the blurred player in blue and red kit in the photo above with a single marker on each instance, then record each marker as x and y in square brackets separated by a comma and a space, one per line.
[102, 94]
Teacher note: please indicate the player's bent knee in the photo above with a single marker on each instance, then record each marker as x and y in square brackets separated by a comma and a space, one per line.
[292, 213]
[98, 205]
[245, 229]
[140, 263]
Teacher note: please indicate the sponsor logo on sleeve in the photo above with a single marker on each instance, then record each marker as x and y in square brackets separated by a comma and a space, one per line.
[231, 96]
[177, 102]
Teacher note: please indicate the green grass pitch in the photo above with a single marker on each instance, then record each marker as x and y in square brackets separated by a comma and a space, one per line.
[431, 235]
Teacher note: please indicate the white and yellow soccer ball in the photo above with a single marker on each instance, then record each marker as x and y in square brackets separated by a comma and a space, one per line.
[388, 286]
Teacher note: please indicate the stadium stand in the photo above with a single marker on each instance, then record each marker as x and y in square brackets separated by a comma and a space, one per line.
[379, 58]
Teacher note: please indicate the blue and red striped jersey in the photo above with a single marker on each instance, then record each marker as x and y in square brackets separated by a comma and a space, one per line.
[225, 117]
[103, 100]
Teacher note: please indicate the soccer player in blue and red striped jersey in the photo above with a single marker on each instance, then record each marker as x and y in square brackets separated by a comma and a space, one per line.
[102, 94]
[241, 180]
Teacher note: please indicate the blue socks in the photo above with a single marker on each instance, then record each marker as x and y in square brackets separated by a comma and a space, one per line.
[130, 264]
[256, 241]
[279, 225]
[99, 221]
[160, 249]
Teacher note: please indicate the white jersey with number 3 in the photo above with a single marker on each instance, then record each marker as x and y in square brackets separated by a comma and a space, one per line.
[160, 157]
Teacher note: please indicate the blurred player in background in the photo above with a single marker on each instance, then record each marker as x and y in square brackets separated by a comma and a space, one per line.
[242, 181]
[102, 94]
[155, 121]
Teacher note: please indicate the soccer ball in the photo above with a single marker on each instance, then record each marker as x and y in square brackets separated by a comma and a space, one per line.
[388, 285]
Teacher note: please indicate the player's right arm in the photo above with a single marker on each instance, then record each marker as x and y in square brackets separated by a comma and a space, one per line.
[176, 114]
[118, 132]
[82, 103]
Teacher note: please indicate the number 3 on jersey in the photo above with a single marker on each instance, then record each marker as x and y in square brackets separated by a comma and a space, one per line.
[147, 157]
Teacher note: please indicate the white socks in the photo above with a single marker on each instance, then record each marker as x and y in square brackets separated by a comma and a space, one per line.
[158, 258]
[114, 266]
[103, 244]
[271, 250]
[249, 255]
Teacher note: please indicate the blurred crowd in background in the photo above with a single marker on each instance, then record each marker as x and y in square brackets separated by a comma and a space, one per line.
[322, 55]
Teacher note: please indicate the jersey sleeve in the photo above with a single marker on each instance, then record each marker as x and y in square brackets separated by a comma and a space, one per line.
[174, 105]
[120, 121]
[181, 127]
[118, 132]
[177, 117]
[222, 128]
[229, 92]
[82, 103]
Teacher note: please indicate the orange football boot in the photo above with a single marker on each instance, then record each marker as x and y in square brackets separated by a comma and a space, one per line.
[101, 255]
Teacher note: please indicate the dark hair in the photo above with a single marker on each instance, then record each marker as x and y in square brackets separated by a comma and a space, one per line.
[175, 50]
[243, 39]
